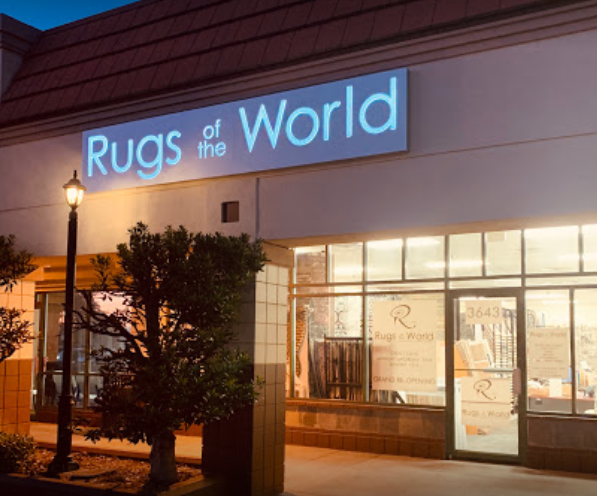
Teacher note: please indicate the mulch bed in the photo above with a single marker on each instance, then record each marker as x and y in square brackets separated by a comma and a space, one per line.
[124, 473]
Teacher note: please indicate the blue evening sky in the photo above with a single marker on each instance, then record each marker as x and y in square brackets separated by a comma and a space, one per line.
[46, 14]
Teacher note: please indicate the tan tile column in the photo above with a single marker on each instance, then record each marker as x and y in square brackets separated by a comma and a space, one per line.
[247, 451]
[15, 372]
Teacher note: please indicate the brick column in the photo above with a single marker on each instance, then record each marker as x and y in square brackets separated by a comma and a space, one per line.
[247, 451]
[15, 372]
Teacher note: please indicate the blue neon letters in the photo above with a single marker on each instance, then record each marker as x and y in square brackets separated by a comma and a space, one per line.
[346, 119]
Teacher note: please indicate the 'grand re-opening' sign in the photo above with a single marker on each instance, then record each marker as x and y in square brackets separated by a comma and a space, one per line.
[352, 118]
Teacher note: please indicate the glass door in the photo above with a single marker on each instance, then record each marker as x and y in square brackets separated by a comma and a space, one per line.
[486, 412]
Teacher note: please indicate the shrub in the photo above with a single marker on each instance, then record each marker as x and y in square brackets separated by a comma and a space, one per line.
[17, 453]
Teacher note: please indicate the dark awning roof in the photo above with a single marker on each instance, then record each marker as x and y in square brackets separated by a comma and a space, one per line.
[157, 46]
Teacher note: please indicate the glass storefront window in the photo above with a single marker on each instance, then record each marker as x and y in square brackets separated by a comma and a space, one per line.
[310, 265]
[551, 250]
[425, 258]
[585, 333]
[346, 262]
[465, 255]
[329, 348]
[413, 270]
[384, 260]
[50, 353]
[55, 335]
[548, 351]
[503, 253]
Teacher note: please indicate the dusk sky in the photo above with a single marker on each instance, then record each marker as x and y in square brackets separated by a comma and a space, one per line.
[46, 14]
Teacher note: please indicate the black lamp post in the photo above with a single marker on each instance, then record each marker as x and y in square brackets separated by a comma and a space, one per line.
[63, 462]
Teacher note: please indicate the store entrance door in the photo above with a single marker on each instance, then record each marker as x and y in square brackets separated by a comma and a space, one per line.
[485, 375]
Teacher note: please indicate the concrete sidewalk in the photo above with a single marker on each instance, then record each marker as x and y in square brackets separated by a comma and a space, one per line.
[323, 472]
[188, 448]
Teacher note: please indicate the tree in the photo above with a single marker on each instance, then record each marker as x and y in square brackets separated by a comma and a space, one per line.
[14, 264]
[181, 294]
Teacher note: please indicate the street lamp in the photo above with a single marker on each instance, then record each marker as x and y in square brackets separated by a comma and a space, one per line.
[63, 462]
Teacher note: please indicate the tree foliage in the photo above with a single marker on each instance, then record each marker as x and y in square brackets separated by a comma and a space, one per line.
[181, 294]
[14, 331]
[14, 264]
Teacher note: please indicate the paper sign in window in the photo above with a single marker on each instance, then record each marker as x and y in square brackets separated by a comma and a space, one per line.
[404, 345]
[549, 353]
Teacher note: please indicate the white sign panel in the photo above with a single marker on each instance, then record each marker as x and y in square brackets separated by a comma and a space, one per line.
[485, 312]
[404, 354]
[549, 355]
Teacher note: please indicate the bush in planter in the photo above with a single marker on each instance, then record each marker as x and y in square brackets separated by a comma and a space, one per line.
[17, 453]
[175, 368]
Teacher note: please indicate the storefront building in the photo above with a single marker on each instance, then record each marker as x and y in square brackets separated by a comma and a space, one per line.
[422, 173]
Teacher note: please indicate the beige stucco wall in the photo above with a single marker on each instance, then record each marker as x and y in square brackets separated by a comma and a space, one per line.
[501, 134]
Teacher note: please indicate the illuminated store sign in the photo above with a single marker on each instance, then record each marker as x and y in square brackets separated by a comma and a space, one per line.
[352, 118]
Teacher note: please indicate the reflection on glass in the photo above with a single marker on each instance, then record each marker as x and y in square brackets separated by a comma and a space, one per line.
[52, 385]
[503, 253]
[329, 348]
[590, 247]
[425, 258]
[78, 390]
[553, 249]
[465, 255]
[585, 330]
[346, 262]
[406, 345]
[98, 342]
[55, 335]
[548, 351]
[384, 260]
[310, 265]
[95, 384]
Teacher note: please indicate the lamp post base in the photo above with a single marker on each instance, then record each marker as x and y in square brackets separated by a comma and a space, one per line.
[59, 465]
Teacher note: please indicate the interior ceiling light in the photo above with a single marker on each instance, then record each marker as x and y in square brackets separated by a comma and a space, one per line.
[550, 232]
[385, 244]
[416, 242]
[300, 250]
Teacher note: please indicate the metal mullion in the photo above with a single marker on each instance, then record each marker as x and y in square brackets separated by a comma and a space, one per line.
[571, 294]
[412, 291]
[563, 287]
[41, 352]
[365, 357]
[484, 254]
[521, 364]
[403, 261]
[293, 345]
[581, 249]
[293, 297]
[446, 259]
[86, 369]
[449, 329]
[523, 261]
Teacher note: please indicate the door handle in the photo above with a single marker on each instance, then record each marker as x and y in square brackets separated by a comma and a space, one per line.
[517, 381]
